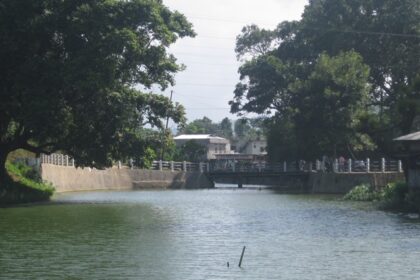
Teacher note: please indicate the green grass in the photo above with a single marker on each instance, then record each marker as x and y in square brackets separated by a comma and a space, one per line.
[28, 177]
[24, 185]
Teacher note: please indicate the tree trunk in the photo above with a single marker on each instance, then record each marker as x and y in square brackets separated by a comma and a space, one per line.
[3, 173]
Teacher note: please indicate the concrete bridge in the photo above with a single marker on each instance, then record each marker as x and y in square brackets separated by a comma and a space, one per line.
[293, 181]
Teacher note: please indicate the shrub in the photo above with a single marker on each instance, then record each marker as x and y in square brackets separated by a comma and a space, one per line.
[363, 192]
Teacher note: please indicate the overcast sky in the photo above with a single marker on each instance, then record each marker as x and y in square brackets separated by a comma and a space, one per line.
[207, 84]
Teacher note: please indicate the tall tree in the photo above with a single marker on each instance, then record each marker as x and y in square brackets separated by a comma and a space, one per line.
[68, 73]
[385, 33]
[201, 126]
[225, 128]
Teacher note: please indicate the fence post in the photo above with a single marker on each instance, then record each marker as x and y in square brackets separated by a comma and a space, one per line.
[72, 162]
[172, 166]
[349, 165]
[284, 166]
[184, 166]
[119, 164]
[400, 169]
[368, 165]
[160, 165]
[67, 160]
[383, 166]
[335, 167]
[310, 166]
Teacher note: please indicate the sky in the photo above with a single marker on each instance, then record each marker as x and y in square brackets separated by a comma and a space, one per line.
[207, 85]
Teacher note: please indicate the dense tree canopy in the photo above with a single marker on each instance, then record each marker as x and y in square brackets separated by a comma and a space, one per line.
[282, 71]
[69, 71]
[207, 126]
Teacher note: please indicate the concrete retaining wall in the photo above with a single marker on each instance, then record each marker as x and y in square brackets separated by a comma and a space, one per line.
[67, 179]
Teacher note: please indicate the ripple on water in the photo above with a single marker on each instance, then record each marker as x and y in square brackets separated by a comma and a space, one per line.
[193, 234]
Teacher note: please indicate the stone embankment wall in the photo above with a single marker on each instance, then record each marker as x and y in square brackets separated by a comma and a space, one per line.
[342, 183]
[68, 179]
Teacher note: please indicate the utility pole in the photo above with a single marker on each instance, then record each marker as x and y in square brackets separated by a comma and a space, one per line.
[162, 148]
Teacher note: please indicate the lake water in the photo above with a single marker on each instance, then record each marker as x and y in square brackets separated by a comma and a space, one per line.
[193, 234]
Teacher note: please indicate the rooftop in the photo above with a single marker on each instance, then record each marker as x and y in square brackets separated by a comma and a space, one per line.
[196, 137]
[409, 137]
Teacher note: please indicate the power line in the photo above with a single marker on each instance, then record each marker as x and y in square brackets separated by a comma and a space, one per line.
[212, 64]
[377, 33]
[207, 108]
[242, 21]
[205, 55]
[206, 85]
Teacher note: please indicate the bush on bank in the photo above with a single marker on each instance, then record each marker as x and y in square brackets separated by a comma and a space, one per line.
[363, 192]
[23, 185]
[393, 196]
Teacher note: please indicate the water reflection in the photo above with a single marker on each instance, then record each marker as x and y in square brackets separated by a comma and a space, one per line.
[192, 234]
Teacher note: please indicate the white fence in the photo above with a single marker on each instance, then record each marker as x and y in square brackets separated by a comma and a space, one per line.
[64, 160]
[57, 159]
[181, 166]
[347, 166]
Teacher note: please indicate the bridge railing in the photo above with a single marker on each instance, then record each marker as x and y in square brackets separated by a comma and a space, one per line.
[65, 160]
[336, 165]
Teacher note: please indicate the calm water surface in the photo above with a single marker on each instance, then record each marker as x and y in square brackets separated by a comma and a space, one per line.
[193, 234]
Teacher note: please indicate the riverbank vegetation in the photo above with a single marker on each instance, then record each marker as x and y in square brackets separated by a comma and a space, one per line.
[23, 184]
[393, 197]
[343, 80]
[77, 76]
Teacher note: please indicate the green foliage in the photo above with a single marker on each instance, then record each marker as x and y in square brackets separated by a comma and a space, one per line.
[69, 71]
[394, 196]
[201, 126]
[207, 126]
[249, 128]
[190, 151]
[313, 74]
[147, 158]
[225, 129]
[363, 192]
[27, 177]
[394, 191]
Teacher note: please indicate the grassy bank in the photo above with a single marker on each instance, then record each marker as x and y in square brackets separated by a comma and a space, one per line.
[392, 197]
[24, 185]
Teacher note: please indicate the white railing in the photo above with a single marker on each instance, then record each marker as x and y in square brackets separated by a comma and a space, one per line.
[181, 166]
[65, 160]
[344, 166]
[337, 166]
[57, 159]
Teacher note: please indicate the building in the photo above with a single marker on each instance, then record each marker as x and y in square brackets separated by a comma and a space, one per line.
[257, 146]
[409, 151]
[213, 144]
